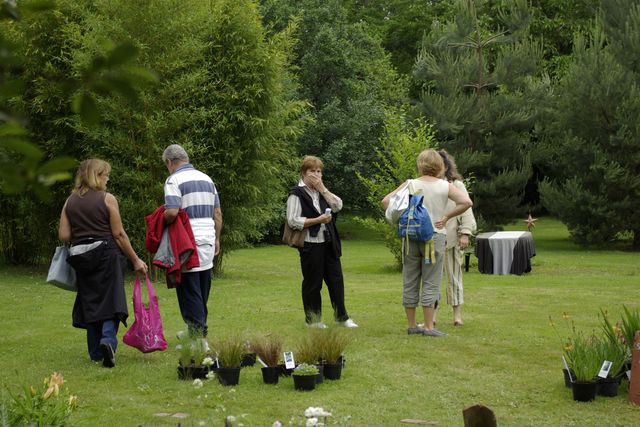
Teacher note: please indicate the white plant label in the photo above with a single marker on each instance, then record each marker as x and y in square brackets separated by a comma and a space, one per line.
[289, 363]
[566, 366]
[261, 362]
[604, 369]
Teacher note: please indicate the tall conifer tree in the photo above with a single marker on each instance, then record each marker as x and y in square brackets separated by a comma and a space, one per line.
[592, 148]
[480, 79]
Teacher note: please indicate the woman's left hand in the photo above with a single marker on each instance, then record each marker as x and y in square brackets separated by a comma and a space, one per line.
[140, 267]
[441, 222]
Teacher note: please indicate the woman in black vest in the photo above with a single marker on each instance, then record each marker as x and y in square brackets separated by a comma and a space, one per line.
[312, 207]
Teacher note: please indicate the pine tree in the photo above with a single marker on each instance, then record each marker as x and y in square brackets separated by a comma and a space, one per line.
[592, 148]
[481, 85]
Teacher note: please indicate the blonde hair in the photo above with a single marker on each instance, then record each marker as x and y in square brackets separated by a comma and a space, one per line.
[430, 163]
[310, 162]
[88, 174]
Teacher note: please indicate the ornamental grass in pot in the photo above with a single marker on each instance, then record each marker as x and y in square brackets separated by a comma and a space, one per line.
[613, 349]
[268, 349]
[629, 324]
[332, 343]
[229, 352]
[584, 360]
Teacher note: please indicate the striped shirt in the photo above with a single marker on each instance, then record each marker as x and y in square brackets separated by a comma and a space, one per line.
[195, 192]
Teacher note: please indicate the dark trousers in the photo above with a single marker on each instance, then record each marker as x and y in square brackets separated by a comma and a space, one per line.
[319, 262]
[98, 332]
[193, 294]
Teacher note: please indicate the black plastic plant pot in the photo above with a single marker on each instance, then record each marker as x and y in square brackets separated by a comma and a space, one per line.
[304, 382]
[332, 371]
[584, 391]
[608, 387]
[271, 374]
[228, 376]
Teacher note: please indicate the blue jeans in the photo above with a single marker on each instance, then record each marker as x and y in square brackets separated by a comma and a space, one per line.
[193, 294]
[105, 331]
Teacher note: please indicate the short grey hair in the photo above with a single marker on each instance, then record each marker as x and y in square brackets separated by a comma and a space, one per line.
[174, 152]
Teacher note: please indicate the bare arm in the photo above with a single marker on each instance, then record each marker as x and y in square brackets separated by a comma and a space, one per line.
[170, 215]
[462, 201]
[64, 228]
[120, 236]
[217, 220]
[387, 198]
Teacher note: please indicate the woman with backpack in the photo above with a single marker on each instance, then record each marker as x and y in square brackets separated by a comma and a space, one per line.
[421, 276]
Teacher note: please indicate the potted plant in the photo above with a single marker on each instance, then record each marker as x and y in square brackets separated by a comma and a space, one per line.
[614, 349]
[192, 350]
[269, 348]
[249, 356]
[304, 377]
[615, 353]
[565, 345]
[229, 353]
[332, 342]
[585, 363]
[308, 351]
[627, 329]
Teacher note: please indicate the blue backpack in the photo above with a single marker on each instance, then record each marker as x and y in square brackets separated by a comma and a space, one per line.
[415, 224]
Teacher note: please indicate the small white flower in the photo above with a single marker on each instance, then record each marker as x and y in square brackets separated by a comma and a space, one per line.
[201, 423]
[207, 361]
[211, 375]
[181, 334]
[313, 411]
[311, 422]
[197, 383]
[179, 347]
[276, 423]
[231, 419]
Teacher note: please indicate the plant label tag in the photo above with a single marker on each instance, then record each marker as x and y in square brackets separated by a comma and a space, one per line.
[216, 363]
[566, 366]
[289, 363]
[629, 374]
[604, 369]
[261, 362]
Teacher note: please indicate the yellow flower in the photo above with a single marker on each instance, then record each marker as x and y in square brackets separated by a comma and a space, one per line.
[566, 316]
[568, 348]
[33, 391]
[73, 401]
[55, 382]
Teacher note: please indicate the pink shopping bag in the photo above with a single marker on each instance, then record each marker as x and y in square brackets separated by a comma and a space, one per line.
[145, 333]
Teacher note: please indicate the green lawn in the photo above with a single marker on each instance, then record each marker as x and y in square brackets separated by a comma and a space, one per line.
[506, 356]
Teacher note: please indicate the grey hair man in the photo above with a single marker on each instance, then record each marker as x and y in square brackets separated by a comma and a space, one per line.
[193, 191]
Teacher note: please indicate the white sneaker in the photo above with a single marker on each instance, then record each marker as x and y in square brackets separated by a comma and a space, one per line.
[349, 324]
[318, 325]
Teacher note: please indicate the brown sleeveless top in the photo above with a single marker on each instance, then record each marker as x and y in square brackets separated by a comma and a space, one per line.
[88, 216]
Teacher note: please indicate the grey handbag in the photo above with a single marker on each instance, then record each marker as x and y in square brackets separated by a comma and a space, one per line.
[61, 274]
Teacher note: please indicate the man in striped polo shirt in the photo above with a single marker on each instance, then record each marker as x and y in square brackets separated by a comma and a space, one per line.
[195, 192]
